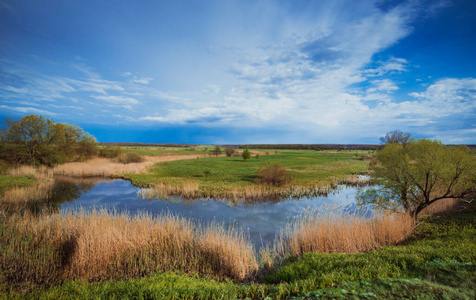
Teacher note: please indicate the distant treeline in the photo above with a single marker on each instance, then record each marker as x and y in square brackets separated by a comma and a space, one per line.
[316, 147]
[149, 145]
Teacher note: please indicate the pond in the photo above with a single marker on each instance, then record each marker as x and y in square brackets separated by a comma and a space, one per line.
[261, 221]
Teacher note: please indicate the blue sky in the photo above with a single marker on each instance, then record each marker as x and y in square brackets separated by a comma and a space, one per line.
[243, 71]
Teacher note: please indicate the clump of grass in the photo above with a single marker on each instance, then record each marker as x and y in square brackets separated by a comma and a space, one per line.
[100, 245]
[129, 157]
[9, 182]
[330, 232]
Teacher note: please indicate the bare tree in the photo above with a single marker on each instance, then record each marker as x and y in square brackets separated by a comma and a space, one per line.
[396, 137]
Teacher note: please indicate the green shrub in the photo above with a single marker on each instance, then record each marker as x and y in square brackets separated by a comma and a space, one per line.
[246, 154]
[110, 152]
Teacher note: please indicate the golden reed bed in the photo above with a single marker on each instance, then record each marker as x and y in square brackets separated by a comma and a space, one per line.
[98, 167]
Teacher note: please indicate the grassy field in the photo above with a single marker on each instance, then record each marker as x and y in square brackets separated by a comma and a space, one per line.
[437, 262]
[159, 151]
[219, 176]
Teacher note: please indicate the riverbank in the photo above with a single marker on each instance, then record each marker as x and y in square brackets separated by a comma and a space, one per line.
[438, 261]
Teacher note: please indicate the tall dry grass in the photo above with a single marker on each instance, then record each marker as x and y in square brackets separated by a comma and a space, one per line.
[23, 199]
[104, 167]
[40, 172]
[345, 233]
[440, 206]
[101, 245]
[355, 180]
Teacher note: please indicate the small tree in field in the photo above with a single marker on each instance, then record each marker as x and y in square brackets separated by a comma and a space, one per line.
[246, 154]
[419, 174]
[217, 150]
[229, 151]
[273, 175]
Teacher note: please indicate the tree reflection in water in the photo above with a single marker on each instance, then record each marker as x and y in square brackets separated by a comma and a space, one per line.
[63, 190]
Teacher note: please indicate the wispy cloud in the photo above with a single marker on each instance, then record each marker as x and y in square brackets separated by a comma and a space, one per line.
[27, 110]
[319, 74]
[117, 100]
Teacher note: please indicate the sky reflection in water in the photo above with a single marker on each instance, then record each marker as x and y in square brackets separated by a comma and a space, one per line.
[261, 220]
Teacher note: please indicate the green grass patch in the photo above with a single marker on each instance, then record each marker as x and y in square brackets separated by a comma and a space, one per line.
[163, 151]
[8, 181]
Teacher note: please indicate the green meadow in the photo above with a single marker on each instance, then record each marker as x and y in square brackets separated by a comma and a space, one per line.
[218, 175]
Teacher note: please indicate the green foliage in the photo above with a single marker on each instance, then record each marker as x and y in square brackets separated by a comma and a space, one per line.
[246, 154]
[217, 150]
[419, 174]
[110, 152]
[273, 175]
[37, 140]
[8, 181]
[257, 156]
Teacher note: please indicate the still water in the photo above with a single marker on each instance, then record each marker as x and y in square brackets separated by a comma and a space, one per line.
[260, 220]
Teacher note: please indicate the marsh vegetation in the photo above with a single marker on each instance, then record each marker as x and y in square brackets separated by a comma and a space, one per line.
[49, 251]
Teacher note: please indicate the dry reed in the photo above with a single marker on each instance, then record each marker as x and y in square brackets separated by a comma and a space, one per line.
[40, 173]
[355, 180]
[347, 233]
[30, 193]
[23, 199]
[101, 245]
[440, 206]
[103, 167]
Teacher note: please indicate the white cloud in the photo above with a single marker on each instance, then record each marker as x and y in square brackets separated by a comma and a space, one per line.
[145, 80]
[315, 74]
[450, 91]
[393, 65]
[27, 110]
[384, 85]
[117, 100]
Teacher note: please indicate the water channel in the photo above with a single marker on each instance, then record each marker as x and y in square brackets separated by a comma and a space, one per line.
[260, 220]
